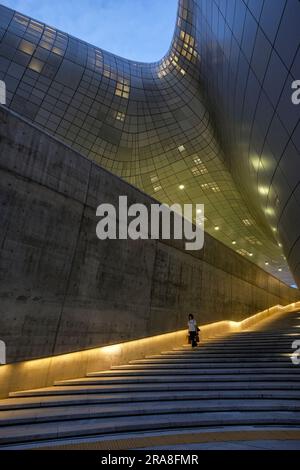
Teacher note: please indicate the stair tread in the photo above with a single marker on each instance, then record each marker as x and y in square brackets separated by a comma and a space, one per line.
[91, 389]
[139, 395]
[54, 430]
[192, 378]
[92, 411]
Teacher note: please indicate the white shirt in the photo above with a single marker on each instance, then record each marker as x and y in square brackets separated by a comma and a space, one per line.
[192, 324]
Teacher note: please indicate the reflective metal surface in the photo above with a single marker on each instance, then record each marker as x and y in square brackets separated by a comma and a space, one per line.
[212, 122]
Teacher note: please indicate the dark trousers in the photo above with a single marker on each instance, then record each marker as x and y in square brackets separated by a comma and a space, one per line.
[193, 340]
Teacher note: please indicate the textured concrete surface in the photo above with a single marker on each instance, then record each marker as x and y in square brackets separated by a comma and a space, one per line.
[62, 290]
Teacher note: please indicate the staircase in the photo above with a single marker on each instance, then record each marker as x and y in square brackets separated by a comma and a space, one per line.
[242, 387]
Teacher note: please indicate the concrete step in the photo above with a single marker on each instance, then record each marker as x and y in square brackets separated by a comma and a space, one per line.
[151, 387]
[142, 396]
[241, 377]
[256, 336]
[267, 332]
[65, 413]
[202, 360]
[164, 369]
[189, 357]
[248, 338]
[233, 346]
[238, 344]
[199, 354]
[103, 426]
[199, 351]
[285, 365]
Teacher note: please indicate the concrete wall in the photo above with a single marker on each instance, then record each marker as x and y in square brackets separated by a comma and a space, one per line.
[62, 290]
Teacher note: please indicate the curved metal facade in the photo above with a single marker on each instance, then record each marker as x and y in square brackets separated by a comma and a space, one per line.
[213, 117]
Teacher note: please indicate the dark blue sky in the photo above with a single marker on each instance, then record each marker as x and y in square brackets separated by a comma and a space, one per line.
[135, 29]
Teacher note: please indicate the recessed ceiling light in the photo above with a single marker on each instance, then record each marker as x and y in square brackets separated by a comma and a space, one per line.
[266, 263]
[217, 227]
[181, 186]
[255, 162]
[250, 254]
[247, 222]
[269, 211]
[279, 269]
[263, 190]
[280, 245]
[234, 242]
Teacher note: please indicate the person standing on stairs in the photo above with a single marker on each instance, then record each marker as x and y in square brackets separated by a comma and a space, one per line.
[193, 331]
